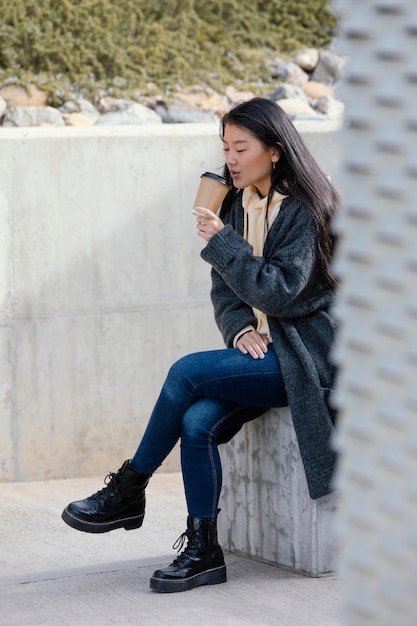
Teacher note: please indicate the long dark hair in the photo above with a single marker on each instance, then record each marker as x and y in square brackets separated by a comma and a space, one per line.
[296, 174]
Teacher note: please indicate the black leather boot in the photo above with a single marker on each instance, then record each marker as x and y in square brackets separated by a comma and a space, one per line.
[201, 563]
[121, 504]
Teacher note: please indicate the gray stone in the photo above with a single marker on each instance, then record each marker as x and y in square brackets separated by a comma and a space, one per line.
[330, 106]
[69, 107]
[288, 90]
[117, 118]
[143, 114]
[177, 114]
[291, 73]
[32, 116]
[134, 113]
[276, 66]
[80, 105]
[329, 69]
[109, 104]
[86, 107]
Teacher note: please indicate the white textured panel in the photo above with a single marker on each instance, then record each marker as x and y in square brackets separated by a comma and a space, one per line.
[378, 371]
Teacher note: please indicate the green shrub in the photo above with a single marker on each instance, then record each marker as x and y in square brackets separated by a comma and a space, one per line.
[92, 47]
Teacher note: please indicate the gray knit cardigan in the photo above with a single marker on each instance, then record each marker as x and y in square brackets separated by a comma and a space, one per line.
[287, 283]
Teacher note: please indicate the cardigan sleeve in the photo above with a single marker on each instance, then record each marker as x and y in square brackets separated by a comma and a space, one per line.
[283, 283]
[230, 312]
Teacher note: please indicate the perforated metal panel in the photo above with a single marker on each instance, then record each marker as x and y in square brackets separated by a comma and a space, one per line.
[377, 307]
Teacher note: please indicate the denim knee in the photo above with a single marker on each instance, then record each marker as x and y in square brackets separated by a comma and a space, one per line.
[195, 430]
[201, 422]
[180, 370]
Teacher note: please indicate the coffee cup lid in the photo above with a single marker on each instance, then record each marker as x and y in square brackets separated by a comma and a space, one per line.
[220, 179]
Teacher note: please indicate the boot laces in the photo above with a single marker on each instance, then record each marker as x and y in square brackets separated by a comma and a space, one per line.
[111, 486]
[194, 543]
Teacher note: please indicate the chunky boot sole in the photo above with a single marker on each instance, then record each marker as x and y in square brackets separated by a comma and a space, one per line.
[213, 576]
[128, 523]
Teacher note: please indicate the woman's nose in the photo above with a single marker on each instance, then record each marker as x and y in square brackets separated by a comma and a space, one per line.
[231, 157]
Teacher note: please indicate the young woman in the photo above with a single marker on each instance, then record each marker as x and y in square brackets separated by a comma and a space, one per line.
[270, 250]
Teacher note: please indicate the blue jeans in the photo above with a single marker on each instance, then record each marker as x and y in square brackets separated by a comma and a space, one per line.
[204, 394]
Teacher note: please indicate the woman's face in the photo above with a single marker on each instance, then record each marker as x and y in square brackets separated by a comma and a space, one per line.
[247, 159]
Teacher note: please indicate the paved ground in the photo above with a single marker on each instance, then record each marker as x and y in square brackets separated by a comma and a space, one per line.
[52, 575]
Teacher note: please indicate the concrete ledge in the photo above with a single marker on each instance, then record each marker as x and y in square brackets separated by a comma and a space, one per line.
[266, 510]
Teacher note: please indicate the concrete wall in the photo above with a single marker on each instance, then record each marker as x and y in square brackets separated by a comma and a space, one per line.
[101, 287]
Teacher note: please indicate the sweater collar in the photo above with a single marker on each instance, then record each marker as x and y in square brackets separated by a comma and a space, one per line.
[253, 201]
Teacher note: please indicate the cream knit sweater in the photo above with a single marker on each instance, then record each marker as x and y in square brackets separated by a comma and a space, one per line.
[258, 220]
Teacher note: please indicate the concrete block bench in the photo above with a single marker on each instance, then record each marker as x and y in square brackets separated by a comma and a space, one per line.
[266, 510]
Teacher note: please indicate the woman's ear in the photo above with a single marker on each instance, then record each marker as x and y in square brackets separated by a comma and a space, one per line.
[277, 152]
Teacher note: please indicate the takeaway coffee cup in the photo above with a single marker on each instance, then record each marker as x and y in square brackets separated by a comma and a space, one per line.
[211, 192]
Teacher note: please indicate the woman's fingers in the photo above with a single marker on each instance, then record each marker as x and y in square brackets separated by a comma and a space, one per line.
[254, 344]
[208, 224]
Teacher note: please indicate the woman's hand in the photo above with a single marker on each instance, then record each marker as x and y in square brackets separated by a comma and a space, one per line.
[254, 344]
[208, 224]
